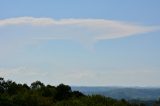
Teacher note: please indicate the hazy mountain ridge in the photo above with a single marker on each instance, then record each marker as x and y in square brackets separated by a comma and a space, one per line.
[129, 93]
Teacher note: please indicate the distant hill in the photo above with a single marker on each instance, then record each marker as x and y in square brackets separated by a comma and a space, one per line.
[39, 94]
[128, 93]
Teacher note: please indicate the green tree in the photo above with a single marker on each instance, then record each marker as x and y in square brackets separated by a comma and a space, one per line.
[37, 85]
[63, 92]
[2, 85]
[49, 91]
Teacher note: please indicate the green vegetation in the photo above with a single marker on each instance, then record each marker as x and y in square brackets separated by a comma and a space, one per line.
[13, 94]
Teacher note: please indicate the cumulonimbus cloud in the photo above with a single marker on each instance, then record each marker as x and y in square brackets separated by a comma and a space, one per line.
[85, 30]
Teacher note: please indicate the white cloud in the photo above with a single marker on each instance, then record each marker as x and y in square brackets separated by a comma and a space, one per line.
[95, 29]
[20, 31]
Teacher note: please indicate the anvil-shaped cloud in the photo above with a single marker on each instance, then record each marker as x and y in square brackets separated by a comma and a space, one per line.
[85, 30]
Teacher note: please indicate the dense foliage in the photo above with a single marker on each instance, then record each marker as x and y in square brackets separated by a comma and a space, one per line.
[37, 94]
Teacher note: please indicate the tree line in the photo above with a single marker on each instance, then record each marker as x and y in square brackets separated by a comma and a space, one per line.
[39, 94]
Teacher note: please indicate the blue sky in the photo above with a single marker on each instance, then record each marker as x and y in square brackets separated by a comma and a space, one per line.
[82, 42]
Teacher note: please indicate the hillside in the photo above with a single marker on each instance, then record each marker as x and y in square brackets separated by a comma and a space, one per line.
[129, 93]
[38, 94]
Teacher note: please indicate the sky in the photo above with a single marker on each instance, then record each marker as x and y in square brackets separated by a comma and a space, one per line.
[81, 42]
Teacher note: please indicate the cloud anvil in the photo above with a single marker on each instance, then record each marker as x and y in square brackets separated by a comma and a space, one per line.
[82, 29]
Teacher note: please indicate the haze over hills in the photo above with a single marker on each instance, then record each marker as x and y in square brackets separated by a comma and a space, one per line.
[129, 93]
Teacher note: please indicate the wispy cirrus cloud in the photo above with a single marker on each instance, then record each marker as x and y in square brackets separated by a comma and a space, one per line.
[104, 29]
[86, 31]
